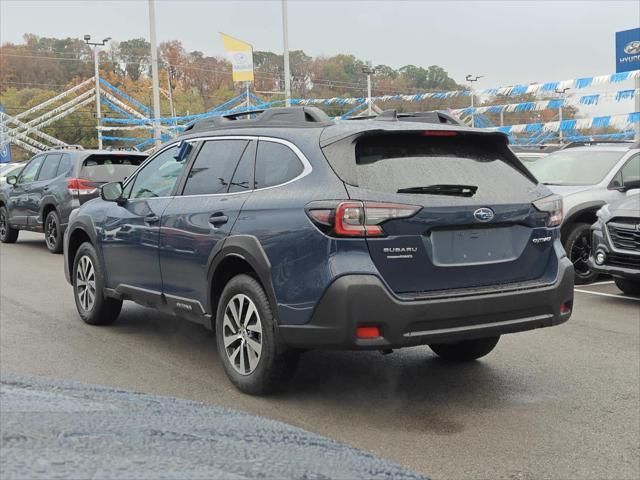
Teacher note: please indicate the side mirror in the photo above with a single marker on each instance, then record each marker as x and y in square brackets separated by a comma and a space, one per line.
[112, 192]
[12, 179]
[631, 185]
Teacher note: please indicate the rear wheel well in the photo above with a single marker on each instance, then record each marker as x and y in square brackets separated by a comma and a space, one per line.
[585, 216]
[77, 238]
[45, 211]
[228, 268]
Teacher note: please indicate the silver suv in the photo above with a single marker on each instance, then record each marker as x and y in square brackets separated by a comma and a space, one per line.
[588, 175]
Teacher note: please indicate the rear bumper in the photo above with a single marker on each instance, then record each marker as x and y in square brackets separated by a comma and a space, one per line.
[363, 300]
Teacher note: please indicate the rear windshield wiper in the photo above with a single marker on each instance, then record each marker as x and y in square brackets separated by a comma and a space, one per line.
[453, 190]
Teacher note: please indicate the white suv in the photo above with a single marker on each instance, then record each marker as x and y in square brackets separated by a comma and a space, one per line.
[588, 175]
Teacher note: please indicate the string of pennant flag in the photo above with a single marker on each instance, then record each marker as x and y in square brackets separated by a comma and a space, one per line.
[552, 104]
[510, 91]
[618, 121]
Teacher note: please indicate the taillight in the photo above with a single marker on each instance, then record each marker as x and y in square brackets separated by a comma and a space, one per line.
[553, 206]
[80, 186]
[358, 219]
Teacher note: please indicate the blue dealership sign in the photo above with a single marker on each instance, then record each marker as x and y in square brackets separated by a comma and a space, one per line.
[5, 149]
[628, 50]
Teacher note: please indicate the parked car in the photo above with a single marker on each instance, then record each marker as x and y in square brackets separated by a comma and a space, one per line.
[588, 175]
[291, 231]
[531, 153]
[10, 169]
[53, 183]
[616, 242]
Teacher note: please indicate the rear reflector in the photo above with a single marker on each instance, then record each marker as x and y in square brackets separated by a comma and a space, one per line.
[368, 332]
[565, 308]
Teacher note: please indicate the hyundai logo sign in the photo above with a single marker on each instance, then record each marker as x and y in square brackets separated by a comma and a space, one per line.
[632, 48]
[484, 214]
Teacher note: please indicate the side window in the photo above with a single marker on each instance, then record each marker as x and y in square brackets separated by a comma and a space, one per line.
[50, 166]
[65, 165]
[29, 172]
[275, 164]
[242, 179]
[631, 170]
[214, 167]
[158, 177]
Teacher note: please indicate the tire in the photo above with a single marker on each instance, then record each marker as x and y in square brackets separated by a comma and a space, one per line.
[88, 272]
[8, 234]
[53, 232]
[578, 247]
[630, 287]
[465, 350]
[251, 358]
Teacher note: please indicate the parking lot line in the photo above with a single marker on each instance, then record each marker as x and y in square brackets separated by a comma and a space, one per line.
[606, 294]
[606, 282]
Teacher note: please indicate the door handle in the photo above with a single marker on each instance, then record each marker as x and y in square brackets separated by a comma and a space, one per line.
[218, 219]
[46, 188]
[151, 218]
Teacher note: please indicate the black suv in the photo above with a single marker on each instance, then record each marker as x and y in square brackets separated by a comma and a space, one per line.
[616, 242]
[291, 231]
[55, 182]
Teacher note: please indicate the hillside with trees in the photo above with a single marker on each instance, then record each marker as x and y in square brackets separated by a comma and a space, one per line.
[39, 68]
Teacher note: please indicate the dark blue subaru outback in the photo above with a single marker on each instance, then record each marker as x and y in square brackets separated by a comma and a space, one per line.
[290, 231]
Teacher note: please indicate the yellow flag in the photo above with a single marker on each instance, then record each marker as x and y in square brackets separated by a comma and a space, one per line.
[241, 57]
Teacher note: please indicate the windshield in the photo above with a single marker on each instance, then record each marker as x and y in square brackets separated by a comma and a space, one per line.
[574, 167]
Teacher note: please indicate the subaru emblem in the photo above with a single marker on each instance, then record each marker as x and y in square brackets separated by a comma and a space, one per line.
[484, 214]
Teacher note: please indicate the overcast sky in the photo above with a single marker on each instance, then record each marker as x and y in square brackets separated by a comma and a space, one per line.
[508, 42]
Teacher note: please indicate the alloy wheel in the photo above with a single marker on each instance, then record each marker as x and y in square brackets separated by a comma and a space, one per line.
[579, 255]
[52, 232]
[86, 284]
[242, 334]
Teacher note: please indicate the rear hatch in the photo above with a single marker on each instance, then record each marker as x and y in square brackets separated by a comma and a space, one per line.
[98, 169]
[477, 226]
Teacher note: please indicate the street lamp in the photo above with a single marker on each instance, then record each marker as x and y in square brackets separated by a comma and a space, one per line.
[471, 78]
[87, 40]
[369, 70]
[560, 133]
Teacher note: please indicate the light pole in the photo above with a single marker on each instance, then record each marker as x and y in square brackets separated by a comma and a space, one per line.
[471, 78]
[285, 41]
[369, 70]
[154, 73]
[96, 74]
[560, 134]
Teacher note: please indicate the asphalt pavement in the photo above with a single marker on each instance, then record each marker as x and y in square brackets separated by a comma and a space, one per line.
[561, 402]
[59, 429]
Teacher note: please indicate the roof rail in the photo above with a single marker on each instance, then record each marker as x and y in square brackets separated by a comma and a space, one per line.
[65, 147]
[586, 143]
[270, 117]
[435, 116]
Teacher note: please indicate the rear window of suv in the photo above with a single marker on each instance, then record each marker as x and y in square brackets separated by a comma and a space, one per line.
[397, 161]
[109, 168]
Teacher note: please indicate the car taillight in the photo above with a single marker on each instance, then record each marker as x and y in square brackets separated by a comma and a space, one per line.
[358, 219]
[80, 186]
[553, 206]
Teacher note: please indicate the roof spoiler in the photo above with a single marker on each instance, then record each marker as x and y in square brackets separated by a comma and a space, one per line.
[435, 116]
[269, 117]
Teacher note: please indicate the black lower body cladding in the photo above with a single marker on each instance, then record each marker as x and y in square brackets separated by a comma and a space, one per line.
[354, 301]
